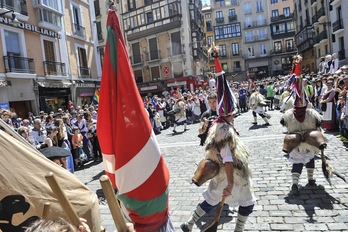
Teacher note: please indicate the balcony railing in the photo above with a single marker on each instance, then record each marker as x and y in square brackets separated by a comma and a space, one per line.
[337, 25]
[84, 72]
[220, 20]
[257, 23]
[232, 18]
[303, 36]
[322, 35]
[283, 50]
[15, 5]
[255, 38]
[341, 54]
[54, 68]
[19, 64]
[320, 13]
[79, 30]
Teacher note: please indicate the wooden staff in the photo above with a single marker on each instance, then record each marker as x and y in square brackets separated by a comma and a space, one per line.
[46, 210]
[62, 199]
[114, 206]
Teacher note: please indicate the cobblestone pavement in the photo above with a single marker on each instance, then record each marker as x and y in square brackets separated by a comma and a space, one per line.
[318, 208]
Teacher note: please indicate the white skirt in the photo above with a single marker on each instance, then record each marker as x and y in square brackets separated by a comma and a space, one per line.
[242, 195]
[327, 115]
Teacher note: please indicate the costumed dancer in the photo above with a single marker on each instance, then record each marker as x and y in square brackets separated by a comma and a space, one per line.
[225, 149]
[180, 114]
[256, 103]
[304, 139]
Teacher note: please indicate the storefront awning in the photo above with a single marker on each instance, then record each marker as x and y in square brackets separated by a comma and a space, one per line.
[258, 64]
[54, 84]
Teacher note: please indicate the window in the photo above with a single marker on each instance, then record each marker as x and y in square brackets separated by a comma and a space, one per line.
[275, 13]
[99, 31]
[263, 50]
[77, 16]
[219, 14]
[231, 12]
[12, 43]
[212, 69]
[222, 50]
[261, 34]
[149, 17]
[249, 36]
[248, 22]
[82, 56]
[259, 7]
[210, 40]
[208, 26]
[235, 49]
[101, 54]
[234, 2]
[274, 1]
[251, 51]
[286, 11]
[207, 16]
[289, 45]
[49, 17]
[224, 67]
[277, 46]
[176, 43]
[147, 2]
[153, 49]
[136, 53]
[236, 64]
[261, 20]
[54, 4]
[290, 26]
[227, 31]
[155, 73]
[50, 66]
[131, 5]
[247, 8]
[138, 75]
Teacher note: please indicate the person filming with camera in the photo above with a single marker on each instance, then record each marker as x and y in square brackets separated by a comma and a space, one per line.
[207, 118]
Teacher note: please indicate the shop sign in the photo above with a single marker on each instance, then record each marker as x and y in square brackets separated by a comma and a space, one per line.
[177, 83]
[4, 105]
[147, 88]
[30, 27]
[86, 94]
[54, 84]
[85, 85]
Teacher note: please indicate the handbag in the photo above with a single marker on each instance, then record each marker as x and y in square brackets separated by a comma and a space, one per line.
[82, 155]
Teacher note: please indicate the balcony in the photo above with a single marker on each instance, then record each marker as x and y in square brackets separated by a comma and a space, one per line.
[257, 23]
[15, 5]
[255, 38]
[321, 14]
[313, 3]
[277, 18]
[337, 26]
[319, 38]
[19, 64]
[79, 30]
[283, 50]
[341, 54]
[237, 69]
[220, 20]
[54, 68]
[232, 18]
[84, 72]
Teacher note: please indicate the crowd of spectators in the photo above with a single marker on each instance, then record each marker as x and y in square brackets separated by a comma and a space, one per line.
[73, 130]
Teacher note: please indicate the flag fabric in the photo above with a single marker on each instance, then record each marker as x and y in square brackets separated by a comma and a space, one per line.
[24, 189]
[96, 96]
[131, 154]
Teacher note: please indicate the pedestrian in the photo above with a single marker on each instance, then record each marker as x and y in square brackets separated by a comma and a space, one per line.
[233, 182]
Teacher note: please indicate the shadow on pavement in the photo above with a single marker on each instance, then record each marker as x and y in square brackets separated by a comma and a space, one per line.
[312, 197]
[256, 126]
[208, 218]
[178, 132]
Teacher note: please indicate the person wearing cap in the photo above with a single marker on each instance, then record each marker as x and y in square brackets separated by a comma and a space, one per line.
[299, 122]
[224, 147]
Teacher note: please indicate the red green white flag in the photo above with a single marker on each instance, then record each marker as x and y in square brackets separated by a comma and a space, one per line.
[131, 154]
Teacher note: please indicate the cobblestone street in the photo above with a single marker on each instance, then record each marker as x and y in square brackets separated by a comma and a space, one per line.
[318, 208]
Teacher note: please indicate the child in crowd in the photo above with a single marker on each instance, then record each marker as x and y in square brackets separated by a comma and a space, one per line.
[77, 142]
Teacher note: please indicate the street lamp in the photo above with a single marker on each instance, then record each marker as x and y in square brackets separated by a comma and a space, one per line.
[14, 20]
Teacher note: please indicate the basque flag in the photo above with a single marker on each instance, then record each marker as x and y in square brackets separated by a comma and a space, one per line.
[132, 157]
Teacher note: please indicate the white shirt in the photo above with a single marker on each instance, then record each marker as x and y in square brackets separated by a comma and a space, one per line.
[226, 154]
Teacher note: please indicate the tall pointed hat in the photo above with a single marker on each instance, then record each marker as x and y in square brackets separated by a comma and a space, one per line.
[226, 98]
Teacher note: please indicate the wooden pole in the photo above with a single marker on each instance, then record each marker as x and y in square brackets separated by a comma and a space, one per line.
[46, 210]
[114, 206]
[62, 199]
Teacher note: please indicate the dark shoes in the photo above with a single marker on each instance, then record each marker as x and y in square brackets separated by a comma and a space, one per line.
[184, 227]
[294, 190]
[174, 131]
[311, 182]
[267, 124]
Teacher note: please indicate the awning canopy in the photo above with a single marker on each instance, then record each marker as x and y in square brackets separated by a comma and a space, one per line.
[54, 84]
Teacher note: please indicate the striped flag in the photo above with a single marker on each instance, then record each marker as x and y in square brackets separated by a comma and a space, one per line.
[96, 96]
[132, 157]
